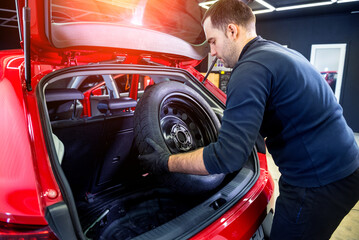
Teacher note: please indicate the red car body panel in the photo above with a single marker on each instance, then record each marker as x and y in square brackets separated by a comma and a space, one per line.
[243, 219]
[28, 185]
[24, 192]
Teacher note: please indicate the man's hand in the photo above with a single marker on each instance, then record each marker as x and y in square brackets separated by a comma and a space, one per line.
[157, 161]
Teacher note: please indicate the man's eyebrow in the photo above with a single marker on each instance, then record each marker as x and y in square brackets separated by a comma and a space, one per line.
[210, 39]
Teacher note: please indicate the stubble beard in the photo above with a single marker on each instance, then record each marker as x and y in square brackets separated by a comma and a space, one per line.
[230, 57]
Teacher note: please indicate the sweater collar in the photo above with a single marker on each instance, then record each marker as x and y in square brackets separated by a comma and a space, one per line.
[245, 48]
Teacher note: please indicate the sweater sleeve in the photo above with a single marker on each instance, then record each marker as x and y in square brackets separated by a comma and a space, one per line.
[247, 94]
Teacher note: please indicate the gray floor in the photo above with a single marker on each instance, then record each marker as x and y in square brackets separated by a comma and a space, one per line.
[348, 228]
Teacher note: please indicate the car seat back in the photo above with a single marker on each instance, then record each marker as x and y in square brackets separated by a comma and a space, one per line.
[116, 106]
[64, 103]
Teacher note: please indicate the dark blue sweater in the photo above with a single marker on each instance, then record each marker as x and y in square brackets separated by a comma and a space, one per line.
[276, 92]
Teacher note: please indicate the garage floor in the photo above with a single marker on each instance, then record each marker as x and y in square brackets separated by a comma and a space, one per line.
[348, 228]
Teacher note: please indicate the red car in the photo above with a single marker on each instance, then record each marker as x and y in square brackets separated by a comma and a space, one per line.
[331, 78]
[94, 79]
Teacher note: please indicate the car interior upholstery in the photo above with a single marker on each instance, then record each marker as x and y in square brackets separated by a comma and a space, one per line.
[86, 140]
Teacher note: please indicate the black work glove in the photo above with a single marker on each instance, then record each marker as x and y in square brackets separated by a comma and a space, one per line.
[157, 161]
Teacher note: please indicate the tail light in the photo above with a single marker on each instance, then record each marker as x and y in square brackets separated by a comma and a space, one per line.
[10, 231]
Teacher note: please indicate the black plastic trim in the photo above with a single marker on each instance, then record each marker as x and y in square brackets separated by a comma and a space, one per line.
[57, 216]
[53, 95]
[59, 175]
[26, 15]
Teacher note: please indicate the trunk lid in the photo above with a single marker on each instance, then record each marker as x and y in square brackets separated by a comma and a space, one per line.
[83, 31]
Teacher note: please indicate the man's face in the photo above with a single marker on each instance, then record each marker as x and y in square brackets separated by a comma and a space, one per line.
[221, 46]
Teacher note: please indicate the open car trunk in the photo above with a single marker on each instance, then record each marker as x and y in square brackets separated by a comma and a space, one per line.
[88, 116]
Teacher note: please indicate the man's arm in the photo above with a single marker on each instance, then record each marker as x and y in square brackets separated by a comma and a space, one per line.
[161, 161]
[189, 162]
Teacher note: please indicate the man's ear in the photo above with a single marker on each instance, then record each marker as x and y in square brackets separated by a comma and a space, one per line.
[232, 31]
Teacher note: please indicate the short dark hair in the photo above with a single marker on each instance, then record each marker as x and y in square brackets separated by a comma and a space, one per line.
[224, 12]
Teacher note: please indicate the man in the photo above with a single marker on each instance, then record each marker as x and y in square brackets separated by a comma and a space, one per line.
[276, 92]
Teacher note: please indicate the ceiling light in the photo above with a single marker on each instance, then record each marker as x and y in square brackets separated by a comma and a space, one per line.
[270, 8]
[346, 1]
[262, 11]
[267, 5]
[304, 6]
[206, 5]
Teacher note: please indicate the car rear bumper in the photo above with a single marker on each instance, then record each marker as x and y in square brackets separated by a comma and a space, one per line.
[247, 215]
